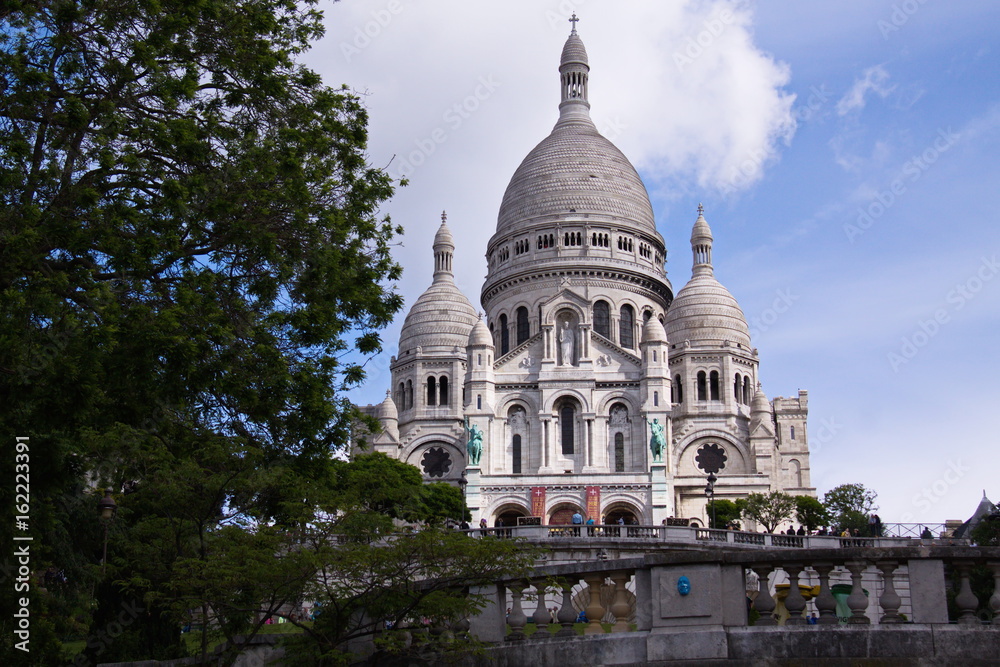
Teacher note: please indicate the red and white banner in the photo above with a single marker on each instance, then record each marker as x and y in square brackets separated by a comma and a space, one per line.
[538, 501]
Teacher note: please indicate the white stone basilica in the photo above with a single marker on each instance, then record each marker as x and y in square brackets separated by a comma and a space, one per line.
[584, 348]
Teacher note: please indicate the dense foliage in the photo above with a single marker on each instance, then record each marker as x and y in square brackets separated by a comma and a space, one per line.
[767, 509]
[722, 513]
[850, 505]
[811, 513]
[190, 247]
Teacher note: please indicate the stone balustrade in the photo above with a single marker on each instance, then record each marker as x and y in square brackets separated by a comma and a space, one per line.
[706, 616]
[645, 535]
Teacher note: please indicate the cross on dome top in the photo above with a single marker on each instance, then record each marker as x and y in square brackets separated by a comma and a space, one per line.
[573, 20]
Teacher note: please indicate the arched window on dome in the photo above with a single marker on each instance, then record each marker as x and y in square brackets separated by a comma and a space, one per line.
[702, 386]
[504, 335]
[602, 319]
[738, 389]
[401, 396]
[713, 382]
[626, 327]
[677, 387]
[746, 390]
[431, 391]
[522, 325]
[443, 391]
[409, 395]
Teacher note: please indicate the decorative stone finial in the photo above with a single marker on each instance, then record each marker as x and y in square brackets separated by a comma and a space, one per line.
[701, 209]
[444, 217]
[573, 20]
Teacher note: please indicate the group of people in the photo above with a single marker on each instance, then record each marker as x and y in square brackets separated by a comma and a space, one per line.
[578, 520]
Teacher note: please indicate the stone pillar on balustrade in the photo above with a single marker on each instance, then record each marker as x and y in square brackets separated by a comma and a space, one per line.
[490, 624]
[690, 605]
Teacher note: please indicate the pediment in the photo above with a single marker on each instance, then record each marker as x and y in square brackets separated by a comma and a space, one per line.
[564, 298]
[609, 358]
[524, 359]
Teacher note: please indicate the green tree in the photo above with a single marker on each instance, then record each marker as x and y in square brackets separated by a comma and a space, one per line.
[190, 247]
[429, 574]
[767, 509]
[850, 505]
[442, 501]
[725, 512]
[987, 531]
[810, 512]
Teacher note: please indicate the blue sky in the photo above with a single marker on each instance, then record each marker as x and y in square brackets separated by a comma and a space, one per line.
[846, 157]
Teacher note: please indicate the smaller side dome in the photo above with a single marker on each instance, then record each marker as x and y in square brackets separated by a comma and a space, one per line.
[760, 410]
[386, 413]
[386, 410]
[760, 405]
[704, 311]
[480, 336]
[653, 332]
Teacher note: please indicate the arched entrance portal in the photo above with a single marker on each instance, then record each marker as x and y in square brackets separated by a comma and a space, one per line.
[562, 515]
[629, 514]
[510, 513]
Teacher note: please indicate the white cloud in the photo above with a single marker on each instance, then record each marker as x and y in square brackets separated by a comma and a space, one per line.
[872, 80]
[704, 106]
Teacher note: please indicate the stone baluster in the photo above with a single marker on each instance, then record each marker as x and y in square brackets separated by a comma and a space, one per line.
[595, 612]
[966, 600]
[567, 614]
[542, 616]
[889, 600]
[826, 604]
[795, 602]
[857, 600]
[516, 619]
[620, 607]
[764, 603]
[995, 598]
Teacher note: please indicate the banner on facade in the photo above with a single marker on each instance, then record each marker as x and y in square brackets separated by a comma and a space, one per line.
[594, 503]
[538, 501]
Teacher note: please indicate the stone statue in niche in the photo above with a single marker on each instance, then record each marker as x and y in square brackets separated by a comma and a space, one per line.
[567, 340]
[517, 419]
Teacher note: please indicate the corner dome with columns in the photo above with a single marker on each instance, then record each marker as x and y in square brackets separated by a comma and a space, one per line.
[442, 317]
[704, 312]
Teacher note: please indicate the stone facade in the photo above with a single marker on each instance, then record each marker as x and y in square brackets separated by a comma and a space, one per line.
[585, 355]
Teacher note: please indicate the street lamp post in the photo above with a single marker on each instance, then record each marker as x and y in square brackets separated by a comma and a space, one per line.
[710, 492]
[108, 508]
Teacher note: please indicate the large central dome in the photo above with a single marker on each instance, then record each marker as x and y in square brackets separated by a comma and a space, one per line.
[575, 170]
